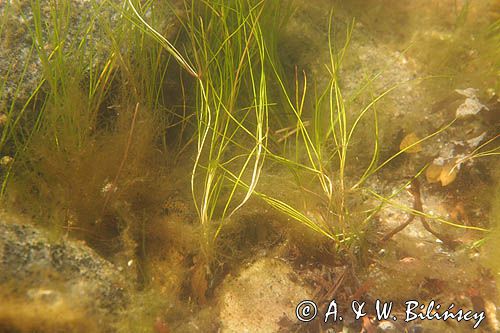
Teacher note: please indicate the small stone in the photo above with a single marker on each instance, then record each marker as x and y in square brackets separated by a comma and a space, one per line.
[386, 326]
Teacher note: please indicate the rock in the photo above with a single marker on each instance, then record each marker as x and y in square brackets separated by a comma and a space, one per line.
[471, 105]
[19, 45]
[64, 277]
[386, 326]
[263, 294]
[83, 34]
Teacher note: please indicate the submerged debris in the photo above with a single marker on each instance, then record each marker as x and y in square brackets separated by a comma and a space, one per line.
[409, 143]
[471, 106]
[439, 171]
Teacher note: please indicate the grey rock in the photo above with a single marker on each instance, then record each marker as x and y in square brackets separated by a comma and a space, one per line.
[20, 65]
[33, 267]
[83, 36]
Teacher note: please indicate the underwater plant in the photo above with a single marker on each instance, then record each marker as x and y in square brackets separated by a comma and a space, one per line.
[85, 142]
[164, 150]
[230, 56]
[327, 142]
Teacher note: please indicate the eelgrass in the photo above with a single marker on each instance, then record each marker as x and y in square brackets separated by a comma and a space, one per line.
[327, 145]
[229, 65]
[13, 105]
[480, 152]
[10, 142]
[231, 135]
[318, 146]
[230, 56]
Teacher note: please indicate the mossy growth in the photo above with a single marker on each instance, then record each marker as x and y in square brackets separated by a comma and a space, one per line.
[91, 156]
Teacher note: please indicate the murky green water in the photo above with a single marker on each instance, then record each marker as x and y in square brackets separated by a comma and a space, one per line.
[178, 166]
